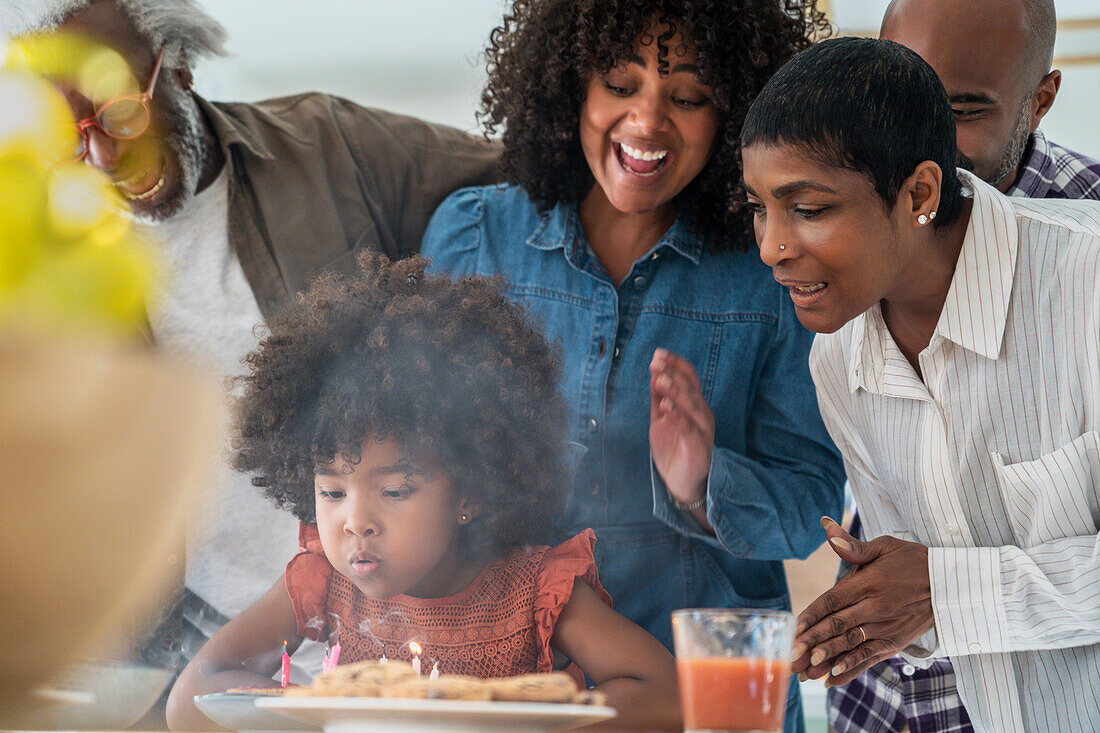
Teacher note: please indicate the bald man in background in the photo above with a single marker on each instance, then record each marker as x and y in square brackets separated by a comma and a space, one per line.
[994, 58]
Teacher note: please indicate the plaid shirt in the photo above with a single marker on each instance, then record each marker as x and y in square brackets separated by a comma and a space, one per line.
[894, 693]
[1053, 172]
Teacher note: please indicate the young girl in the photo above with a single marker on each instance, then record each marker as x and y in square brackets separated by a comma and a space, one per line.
[414, 426]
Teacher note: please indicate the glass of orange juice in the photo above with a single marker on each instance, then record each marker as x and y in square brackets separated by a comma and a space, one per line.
[734, 667]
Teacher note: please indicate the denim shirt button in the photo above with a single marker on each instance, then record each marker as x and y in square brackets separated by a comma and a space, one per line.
[617, 352]
[593, 426]
[654, 256]
[639, 281]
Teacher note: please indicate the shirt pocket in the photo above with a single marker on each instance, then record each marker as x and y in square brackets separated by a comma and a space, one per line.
[1054, 496]
[750, 584]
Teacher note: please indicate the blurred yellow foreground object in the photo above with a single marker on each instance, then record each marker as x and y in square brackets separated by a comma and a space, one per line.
[103, 445]
[103, 452]
[70, 260]
[89, 67]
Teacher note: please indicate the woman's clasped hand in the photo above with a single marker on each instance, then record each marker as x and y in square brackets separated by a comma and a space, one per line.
[875, 611]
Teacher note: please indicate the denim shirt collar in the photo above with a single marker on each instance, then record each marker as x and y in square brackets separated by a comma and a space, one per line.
[561, 228]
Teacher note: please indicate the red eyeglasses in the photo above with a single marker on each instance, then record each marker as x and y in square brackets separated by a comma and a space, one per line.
[124, 118]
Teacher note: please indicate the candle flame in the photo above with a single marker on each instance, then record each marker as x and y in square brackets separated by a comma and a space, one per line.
[414, 648]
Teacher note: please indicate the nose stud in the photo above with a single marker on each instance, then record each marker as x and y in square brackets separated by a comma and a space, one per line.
[464, 518]
[782, 246]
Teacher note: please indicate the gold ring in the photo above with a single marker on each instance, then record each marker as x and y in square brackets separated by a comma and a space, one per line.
[863, 634]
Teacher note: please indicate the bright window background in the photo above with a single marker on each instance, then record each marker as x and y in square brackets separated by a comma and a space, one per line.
[423, 57]
[419, 57]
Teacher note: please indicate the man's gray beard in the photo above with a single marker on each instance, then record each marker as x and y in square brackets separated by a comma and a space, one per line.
[1014, 153]
[185, 142]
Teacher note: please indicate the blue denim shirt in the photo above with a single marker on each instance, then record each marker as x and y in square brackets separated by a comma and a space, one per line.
[774, 470]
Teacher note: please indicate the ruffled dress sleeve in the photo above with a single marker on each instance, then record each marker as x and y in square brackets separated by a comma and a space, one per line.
[307, 575]
[561, 566]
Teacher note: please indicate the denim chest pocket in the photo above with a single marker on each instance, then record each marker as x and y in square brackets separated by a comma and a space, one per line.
[1053, 496]
[723, 347]
[656, 570]
[736, 590]
[567, 321]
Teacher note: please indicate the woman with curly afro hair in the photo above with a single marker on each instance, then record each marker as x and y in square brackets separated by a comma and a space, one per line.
[414, 426]
[622, 228]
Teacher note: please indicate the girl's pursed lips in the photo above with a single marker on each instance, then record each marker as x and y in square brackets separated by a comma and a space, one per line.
[363, 556]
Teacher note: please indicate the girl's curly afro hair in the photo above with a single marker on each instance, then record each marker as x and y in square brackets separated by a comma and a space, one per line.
[541, 59]
[450, 371]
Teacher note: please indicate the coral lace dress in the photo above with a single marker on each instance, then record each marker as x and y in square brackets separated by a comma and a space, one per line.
[499, 626]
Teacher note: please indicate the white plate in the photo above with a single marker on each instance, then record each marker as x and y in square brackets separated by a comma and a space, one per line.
[96, 695]
[363, 714]
[237, 711]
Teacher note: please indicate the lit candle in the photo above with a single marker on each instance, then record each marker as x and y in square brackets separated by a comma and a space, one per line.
[434, 675]
[286, 666]
[335, 658]
[415, 649]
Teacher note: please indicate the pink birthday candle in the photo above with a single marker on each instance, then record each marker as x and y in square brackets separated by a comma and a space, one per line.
[325, 666]
[286, 666]
[335, 658]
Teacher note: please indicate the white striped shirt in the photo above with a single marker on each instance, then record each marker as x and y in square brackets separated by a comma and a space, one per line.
[993, 460]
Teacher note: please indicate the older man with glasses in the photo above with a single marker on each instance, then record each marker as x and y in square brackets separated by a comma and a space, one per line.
[249, 201]
[122, 118]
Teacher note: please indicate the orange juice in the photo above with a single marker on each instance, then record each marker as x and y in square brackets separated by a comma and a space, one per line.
[733, 694]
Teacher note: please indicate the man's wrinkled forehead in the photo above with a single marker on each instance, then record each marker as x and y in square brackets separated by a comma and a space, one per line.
[76, 64]
[107, 23]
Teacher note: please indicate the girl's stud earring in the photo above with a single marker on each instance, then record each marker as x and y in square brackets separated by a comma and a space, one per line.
[464, 518]
[922, 219]
[931, 215]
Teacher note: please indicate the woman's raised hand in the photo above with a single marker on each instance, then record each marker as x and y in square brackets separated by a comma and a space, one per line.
[681, 427]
